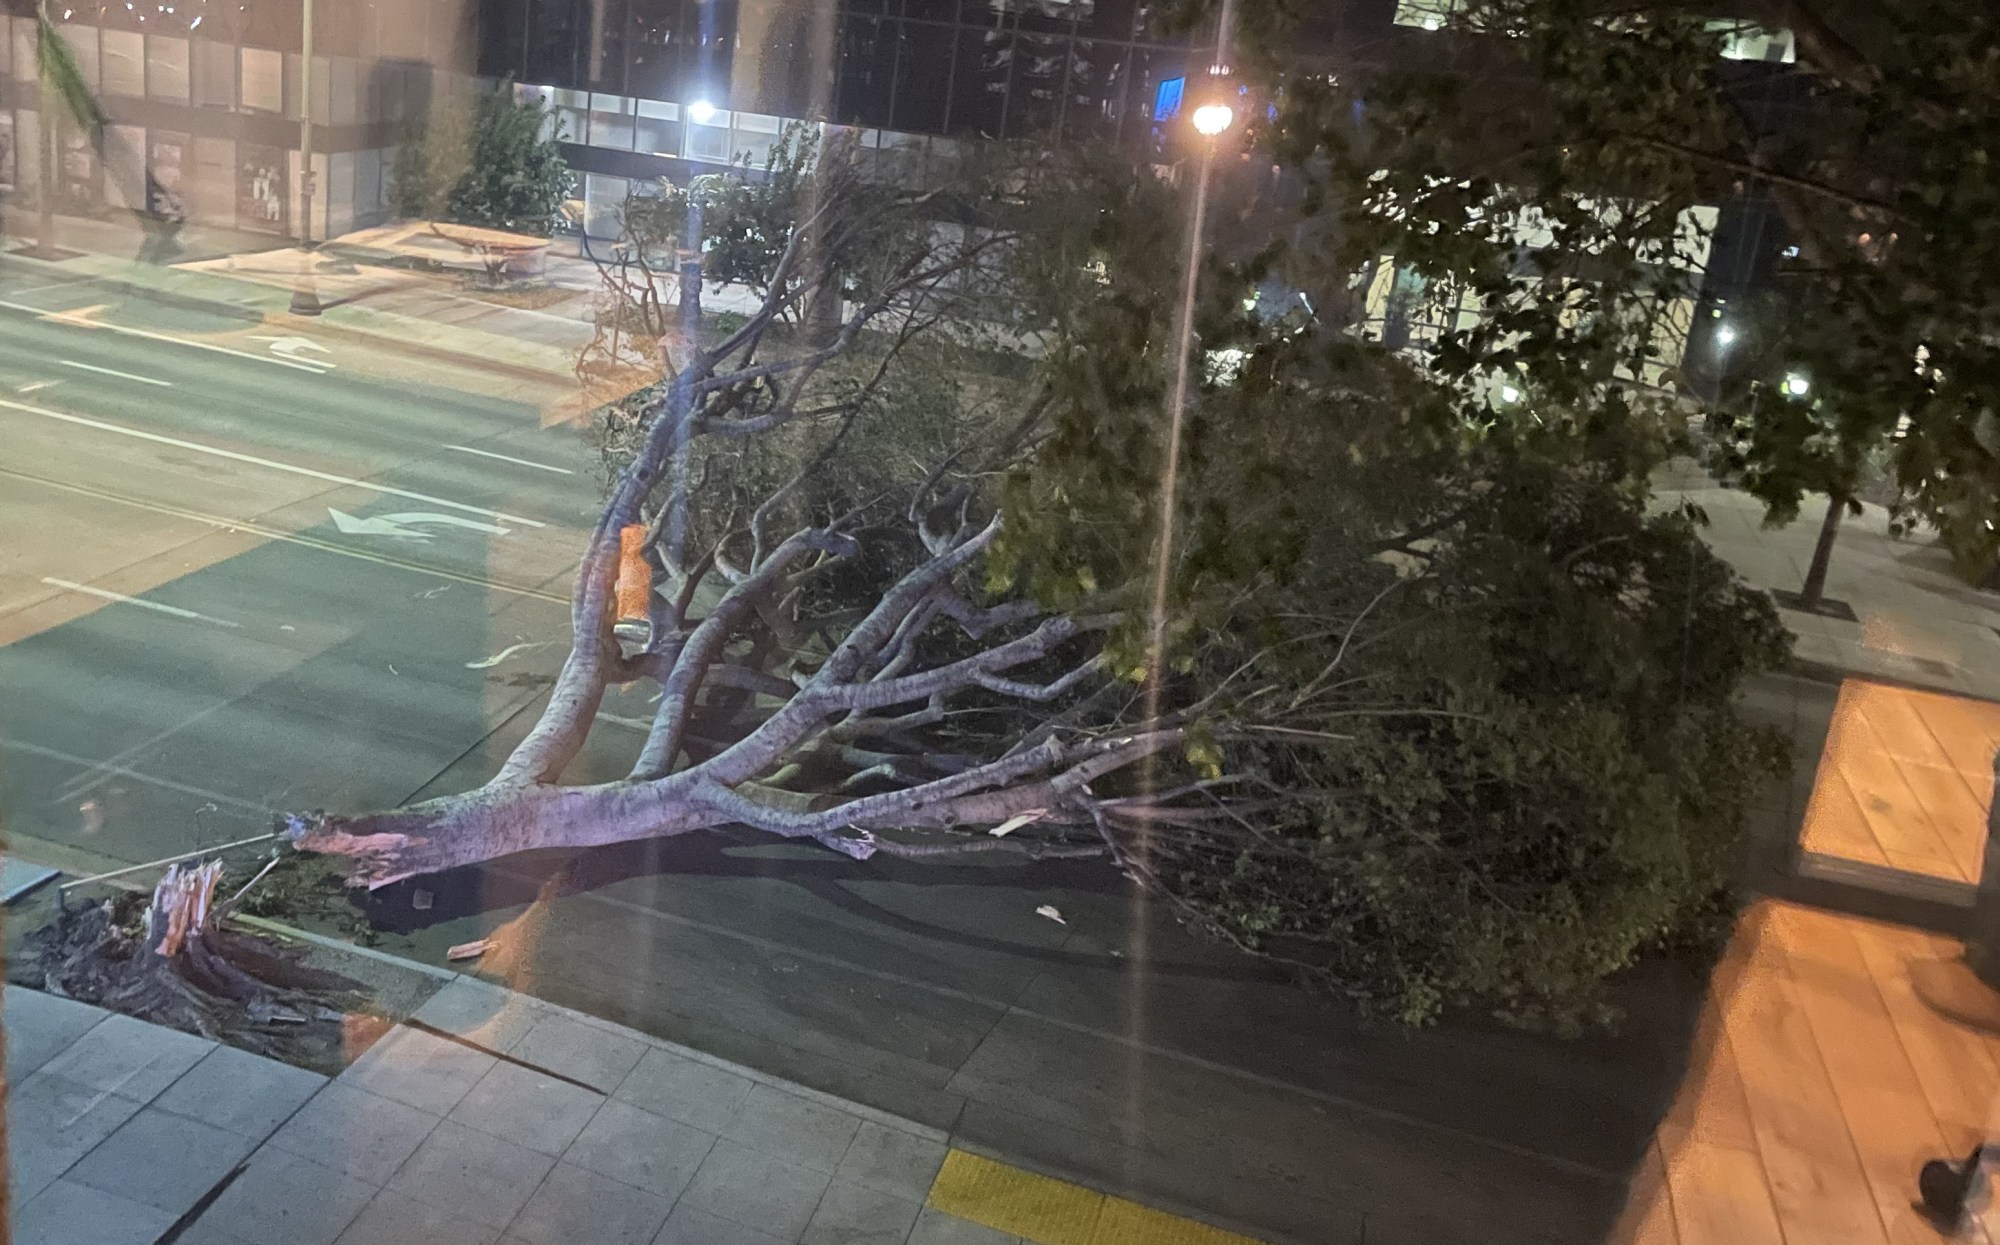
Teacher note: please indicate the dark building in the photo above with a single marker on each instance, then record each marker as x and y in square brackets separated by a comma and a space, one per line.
[653, 88]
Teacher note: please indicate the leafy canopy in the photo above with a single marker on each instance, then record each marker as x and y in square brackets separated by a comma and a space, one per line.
[495, 163]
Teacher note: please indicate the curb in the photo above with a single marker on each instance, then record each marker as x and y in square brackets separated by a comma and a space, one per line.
[251, 315]
[124, 285]
[411, 349]
[1825, 672]
[452, 976]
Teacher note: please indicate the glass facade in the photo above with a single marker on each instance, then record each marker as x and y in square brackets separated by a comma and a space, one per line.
[995, 68]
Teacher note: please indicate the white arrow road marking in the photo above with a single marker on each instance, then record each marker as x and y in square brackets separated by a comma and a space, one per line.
[490, 662]
[400, 524]
[122, 599]
[290, 348]
[508, 458]
[253, 460]
[112, 371]
[77, 319]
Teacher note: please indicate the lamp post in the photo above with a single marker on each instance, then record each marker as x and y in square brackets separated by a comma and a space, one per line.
[305, 299]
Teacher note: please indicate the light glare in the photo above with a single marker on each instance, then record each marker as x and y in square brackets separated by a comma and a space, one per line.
[1213, 119]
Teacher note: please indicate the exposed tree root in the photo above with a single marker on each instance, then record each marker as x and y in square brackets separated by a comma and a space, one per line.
[170, 962]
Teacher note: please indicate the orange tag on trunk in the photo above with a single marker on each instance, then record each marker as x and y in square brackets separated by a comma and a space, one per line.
[635, 578]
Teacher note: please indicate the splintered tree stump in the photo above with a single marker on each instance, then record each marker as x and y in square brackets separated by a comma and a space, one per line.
[174, 964]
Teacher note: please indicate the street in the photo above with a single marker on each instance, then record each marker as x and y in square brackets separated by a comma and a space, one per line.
[240, 575]
[191, 639]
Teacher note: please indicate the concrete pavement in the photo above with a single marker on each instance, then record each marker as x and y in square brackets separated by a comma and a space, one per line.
[490, 1117]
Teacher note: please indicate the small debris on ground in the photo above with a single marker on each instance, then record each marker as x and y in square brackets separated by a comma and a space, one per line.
[470, 950]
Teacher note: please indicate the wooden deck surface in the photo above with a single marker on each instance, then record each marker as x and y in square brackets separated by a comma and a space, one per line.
[1905, 781]
[1821, 1082]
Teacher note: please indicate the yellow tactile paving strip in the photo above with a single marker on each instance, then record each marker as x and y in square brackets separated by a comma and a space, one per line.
[1055, 1212]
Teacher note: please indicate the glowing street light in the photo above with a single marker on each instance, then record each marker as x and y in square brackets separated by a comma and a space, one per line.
[1212, 119]
[1725, 336]
[701, 112]
[1797, 385]
[1509, 394]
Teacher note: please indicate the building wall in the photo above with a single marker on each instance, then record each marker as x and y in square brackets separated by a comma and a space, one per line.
[204, 103]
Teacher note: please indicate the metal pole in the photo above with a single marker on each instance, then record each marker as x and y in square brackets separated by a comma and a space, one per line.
[45, 244]
[305, 299]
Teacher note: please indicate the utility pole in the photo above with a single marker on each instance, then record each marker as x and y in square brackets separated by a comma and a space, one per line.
[305, 299]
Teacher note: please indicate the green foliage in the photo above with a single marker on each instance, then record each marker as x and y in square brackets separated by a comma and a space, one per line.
[489, 164]
[1471, 705]
[857, 228]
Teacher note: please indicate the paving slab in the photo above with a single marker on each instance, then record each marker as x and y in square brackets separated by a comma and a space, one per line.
[647, 1151]
[163, 1160]
[129, 1057]
[41, 1026]
[283, 1199]
[355, 1132]
[67, 1213]
[240, 1092]
[472, 1174]
[573, 1204]
[419, 1069]
[525, 1106]
[51, 1123]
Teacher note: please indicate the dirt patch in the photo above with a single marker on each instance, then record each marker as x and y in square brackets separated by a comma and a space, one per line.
[523, 297]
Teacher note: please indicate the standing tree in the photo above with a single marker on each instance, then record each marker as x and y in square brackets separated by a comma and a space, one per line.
[496, 162]
[1876, 346]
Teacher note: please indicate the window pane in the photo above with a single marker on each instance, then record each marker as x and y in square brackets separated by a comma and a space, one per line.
[215, 76]
[867, 71]
[124, 63]
[167, 68]
[923, 79]
[980, 69]
[263, 80]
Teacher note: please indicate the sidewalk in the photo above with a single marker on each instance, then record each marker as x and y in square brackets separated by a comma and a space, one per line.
[392, 309]
[366, 298]
[490, 1116]
[1916, 621]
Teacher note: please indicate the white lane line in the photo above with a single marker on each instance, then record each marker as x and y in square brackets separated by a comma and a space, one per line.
[217, 797]
[121, 599]
[253, 460]
[508, 458]
[291, 538]
[75, 321]
[32, 386]
[112, 371]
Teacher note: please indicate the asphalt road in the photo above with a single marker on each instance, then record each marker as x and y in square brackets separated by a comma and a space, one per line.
[189, 641]
[191, 631]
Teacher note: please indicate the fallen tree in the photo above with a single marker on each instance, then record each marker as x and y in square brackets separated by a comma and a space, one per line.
[848, 707]
[1413, 695]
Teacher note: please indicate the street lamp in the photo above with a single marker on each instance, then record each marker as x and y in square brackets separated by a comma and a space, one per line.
[1797, 386]
[1725, 337]
[1212, 119]
[701, 112]
[305, 298]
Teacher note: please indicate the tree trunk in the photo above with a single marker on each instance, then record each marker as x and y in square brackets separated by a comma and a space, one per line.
[45, 243]
[1829, 530]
